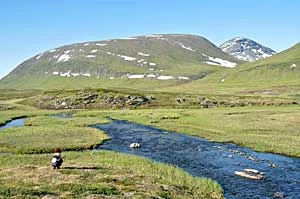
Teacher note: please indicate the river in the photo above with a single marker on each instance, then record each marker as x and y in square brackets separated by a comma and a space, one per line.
[209, 159]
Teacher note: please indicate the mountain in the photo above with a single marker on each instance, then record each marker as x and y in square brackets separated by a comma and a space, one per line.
[282, 67]
[246, 49]
[176, 57]
[278, 75]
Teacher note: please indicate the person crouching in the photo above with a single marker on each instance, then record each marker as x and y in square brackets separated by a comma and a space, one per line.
[57, 160]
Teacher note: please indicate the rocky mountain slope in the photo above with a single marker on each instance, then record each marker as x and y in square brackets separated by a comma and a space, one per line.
[246, 49]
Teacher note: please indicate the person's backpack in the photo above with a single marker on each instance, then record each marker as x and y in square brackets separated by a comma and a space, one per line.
[56, 161]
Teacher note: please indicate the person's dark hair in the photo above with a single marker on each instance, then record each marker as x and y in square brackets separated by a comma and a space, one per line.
[57, 150]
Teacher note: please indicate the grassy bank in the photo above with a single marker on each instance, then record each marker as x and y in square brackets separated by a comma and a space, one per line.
[265, 129]
[105, 174]
[14, 110]
[42, 133]
[98, 174]
[269, 129]
[93, 174]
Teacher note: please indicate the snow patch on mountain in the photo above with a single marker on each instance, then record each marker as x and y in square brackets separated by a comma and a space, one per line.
[136, 76]
[154, 36]
[187, 48]
[158, 37]
[39, 56]
[63, 58]
[100, 44]
[165, 77]
[246, 49]
[110, 53]
[151, 76]
[129, 38]
[127, 58]
[90, 56]
[86, 74]
[219, 61]
[183, 78]
[94, 51]
[211, 63]
[67, 74]
[70, 74]
[75, 74]
[143, 54]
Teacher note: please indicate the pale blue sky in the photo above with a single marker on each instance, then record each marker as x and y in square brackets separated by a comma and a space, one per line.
[28, 27]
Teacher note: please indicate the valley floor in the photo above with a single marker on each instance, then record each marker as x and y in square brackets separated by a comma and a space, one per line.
[113, 175]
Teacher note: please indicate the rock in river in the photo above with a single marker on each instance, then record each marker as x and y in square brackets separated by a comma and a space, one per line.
[135, 145]
[250, 174]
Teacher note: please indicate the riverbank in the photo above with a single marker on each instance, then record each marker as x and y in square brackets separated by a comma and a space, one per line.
[97, 174]
[273, 129]
[43, 133]
[264, 129]
[85, 174]
[218, 161]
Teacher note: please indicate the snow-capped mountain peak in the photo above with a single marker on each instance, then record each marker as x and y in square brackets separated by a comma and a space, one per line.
[246, 49]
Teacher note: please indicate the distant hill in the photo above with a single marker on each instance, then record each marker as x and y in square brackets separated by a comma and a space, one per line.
[283, 67]
[278, 75]
[174, 57]
[246, 49]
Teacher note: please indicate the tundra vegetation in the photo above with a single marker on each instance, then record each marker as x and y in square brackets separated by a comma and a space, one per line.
[269, 125]
[25, 170]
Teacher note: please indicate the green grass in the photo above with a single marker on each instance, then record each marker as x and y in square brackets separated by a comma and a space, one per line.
[41, 139]
[52, 82]
[42, 133]
[106, 174]
[98, 174]
[85, 174]
[270, 77]
[265, 129]
[170, 59]
[123, 99]
[7, 94]
[18, 110]
[275, 69]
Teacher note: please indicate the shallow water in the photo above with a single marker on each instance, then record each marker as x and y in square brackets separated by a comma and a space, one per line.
[61, 115]
[14, 123]
[21, 121]
[214, 160]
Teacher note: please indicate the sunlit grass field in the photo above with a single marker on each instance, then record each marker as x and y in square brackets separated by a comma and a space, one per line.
[25, 170]
[98, 174]
[25, 152]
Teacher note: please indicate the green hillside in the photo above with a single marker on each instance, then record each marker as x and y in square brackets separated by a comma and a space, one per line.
[153, 58]
[278, 75]
[284, 67]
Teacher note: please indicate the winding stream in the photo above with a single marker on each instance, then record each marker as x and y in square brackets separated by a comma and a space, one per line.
[14, 123]
[214, 160]
[203, 158]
